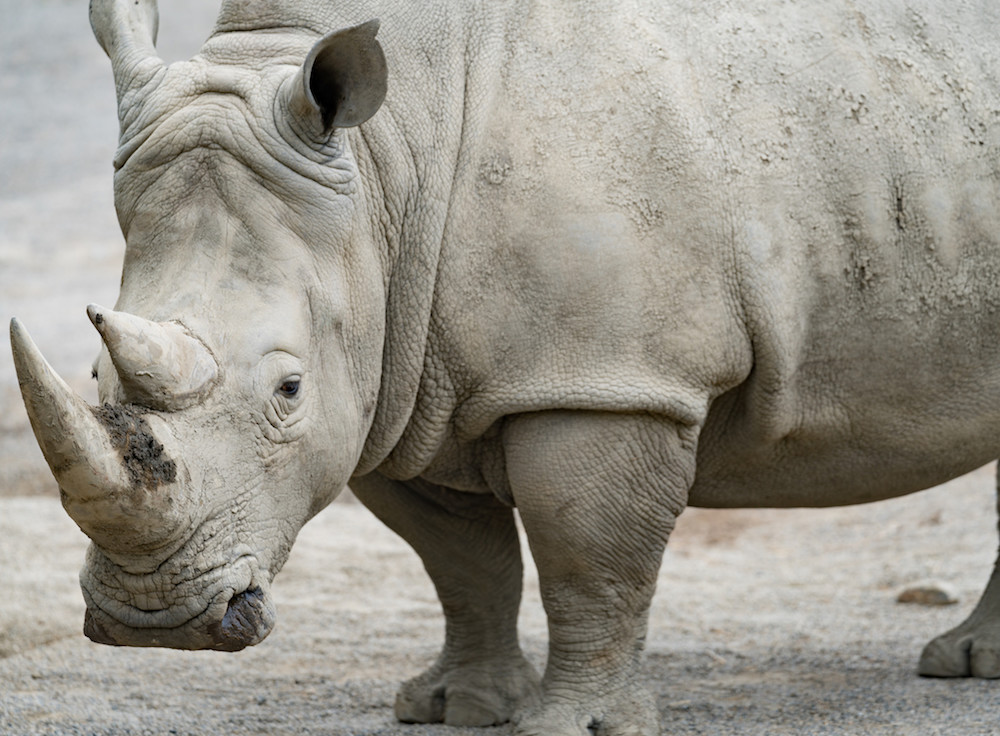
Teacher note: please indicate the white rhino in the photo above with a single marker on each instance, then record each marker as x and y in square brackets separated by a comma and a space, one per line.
[596, 261]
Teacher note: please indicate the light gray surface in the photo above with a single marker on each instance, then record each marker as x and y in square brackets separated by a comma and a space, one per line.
[766, 622]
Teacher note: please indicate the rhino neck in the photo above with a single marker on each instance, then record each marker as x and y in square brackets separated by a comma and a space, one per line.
[410, 249]
[409, 155]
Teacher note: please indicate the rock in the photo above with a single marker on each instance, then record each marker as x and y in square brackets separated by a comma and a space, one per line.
[928, 594]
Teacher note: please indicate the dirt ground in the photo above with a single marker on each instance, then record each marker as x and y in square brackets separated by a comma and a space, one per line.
[766, 622]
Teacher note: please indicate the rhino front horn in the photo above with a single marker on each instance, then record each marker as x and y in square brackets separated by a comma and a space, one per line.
[109, 466]
[159, 364]
[76, 445]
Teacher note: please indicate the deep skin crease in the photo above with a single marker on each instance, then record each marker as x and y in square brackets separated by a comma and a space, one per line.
[584, 260]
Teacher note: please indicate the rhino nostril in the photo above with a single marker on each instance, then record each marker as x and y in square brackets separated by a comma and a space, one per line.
[248, 619]
[243, 613]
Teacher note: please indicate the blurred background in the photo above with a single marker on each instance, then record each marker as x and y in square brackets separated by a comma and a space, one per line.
[60, 246]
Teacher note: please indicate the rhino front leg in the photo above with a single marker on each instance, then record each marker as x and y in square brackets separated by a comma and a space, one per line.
[469, 546]
[971, 649]
[598, 495]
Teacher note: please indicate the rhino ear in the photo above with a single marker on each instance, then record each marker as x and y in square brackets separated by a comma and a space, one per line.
[344, 76]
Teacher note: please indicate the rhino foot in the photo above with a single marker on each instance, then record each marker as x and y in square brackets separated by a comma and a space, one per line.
[628, 712]
[971, 649]
[966, 651]
[487, 693]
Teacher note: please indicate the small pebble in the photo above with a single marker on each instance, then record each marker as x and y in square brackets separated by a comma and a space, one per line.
[928, 594]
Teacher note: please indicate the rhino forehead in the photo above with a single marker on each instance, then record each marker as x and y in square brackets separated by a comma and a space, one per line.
[224, 126]
[236, 108]
[209, 212]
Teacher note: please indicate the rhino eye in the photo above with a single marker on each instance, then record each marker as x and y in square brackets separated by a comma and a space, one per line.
[289, 388]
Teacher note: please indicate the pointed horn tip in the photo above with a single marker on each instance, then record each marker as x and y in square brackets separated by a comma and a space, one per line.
[17, 328]
[21, 344]
[96, 313]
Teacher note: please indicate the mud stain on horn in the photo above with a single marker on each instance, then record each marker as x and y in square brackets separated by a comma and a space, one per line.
[145, 461]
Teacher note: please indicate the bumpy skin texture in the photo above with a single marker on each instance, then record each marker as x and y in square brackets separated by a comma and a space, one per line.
[596, 260]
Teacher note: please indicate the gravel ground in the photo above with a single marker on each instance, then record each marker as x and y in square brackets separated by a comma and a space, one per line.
[767, 622]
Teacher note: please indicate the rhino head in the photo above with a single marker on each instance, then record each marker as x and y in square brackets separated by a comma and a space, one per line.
[240, 368]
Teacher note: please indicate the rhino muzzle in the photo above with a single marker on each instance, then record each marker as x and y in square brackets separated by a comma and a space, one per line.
[239, 611]
[126, 490]
[249, 617]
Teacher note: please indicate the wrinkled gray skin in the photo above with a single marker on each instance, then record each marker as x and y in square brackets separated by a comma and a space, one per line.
[596, 261]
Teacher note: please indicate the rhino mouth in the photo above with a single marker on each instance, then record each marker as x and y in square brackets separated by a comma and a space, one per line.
[227, 609]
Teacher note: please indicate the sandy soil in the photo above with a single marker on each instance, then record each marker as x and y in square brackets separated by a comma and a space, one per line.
[766, 622]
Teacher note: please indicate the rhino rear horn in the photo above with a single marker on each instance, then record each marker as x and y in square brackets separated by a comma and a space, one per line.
[159, 364]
